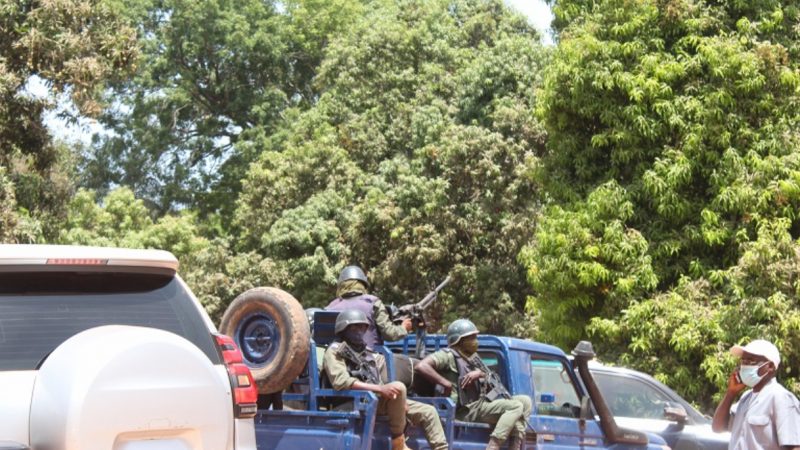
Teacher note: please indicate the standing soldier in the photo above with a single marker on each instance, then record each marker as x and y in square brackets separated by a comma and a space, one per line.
[475, 389]
[352, 292]
[350, 364]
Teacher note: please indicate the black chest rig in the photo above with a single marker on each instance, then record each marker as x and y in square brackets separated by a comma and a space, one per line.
[472, 391]
[362, 366]
[490, 387]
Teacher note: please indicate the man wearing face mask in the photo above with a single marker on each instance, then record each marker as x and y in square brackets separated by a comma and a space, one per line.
[462, 376]
[352, 292]
[767, 416]
[350, 364]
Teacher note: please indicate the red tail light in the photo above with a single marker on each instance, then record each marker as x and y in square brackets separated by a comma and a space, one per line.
[245, 391]
[77, 262]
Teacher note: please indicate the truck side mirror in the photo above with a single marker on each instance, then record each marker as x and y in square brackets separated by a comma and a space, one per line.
[675, 413]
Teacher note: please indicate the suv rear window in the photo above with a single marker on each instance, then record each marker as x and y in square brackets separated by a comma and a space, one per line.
[39, 311]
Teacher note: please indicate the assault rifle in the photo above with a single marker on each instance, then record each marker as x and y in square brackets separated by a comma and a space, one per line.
[362, 371]
[492, 386]
[416, 312]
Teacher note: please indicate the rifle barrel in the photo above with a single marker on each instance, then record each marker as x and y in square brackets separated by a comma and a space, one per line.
[432, 295]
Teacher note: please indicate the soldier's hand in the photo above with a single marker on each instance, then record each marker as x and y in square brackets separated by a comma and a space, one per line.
[389, 391]
[470, 378]
[407, 324]
[447, 389]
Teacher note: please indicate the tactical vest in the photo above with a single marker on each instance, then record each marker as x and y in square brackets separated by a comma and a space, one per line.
[472, 392]
[362, 366]
[366, 304]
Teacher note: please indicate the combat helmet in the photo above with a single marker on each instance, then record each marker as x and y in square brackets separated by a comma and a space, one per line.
[353, 273]
[460, 329]
[349, 317]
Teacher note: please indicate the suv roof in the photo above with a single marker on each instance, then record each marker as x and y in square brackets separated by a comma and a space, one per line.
[16, 256]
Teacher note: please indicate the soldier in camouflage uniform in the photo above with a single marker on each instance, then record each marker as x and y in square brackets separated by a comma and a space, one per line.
[468, 382]
[352, 292]
[350, 364]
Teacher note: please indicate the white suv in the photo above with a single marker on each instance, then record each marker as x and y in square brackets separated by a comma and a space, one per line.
[108, 349]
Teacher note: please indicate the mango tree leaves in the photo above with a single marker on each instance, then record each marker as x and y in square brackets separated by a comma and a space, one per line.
[416, 162]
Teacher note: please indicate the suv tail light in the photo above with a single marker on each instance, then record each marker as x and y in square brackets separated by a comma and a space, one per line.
[245, 391]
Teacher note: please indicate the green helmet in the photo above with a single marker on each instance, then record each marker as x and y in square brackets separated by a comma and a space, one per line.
[460, 329]
[349, 317]
[353, 273]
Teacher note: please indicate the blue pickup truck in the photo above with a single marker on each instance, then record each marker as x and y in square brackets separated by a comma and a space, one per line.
[569, 411]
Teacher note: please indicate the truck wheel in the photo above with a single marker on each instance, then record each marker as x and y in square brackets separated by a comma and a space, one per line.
[271, 329]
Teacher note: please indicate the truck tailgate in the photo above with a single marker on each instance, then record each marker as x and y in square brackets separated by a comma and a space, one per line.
[290, 430]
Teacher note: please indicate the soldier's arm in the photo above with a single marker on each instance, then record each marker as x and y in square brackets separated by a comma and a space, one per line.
[386, 328]
[336, 370]
[430, 367]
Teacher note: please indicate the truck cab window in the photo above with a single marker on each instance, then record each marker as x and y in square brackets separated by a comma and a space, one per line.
[628, 397]
[555, 391]
[495, 362]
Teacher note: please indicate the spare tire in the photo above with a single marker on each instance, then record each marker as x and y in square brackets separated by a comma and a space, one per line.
[271, 329]
[125, 387]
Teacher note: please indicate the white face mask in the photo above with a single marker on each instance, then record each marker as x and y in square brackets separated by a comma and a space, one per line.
[750, 376]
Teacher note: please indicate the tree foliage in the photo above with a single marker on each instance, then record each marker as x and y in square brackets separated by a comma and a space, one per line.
[75, 46]
[416, 162]
[586, 262]
[212, 71]
[690, 107]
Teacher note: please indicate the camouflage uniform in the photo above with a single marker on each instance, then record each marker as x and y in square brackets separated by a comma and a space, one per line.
[506, 414]
[420, 414]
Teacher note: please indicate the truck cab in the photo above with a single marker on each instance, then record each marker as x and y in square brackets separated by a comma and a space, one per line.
[565, 414]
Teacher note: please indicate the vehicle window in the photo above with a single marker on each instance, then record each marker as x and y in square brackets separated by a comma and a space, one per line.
[494, 362]
[629, 397]
[555, 393]
[38, 311]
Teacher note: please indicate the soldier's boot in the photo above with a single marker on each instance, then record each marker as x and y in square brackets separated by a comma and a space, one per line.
[494, 444]
[515, 442]
[399, 443]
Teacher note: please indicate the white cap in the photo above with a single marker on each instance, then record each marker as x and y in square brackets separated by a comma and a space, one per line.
[759, 347]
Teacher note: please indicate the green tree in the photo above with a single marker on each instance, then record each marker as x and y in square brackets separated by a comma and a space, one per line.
[586, 263]
[416, 161]
[690, 107]
[74, 46]
[211, 71]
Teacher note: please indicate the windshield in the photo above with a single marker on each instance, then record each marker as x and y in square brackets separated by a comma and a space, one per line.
[628, 396]
[39, 311]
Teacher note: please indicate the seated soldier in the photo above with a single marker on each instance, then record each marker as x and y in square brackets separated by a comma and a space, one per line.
[475, 389]
[350, 364]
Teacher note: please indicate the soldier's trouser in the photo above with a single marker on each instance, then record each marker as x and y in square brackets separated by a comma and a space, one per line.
[425, 416]
[395, 408]
[508, 415]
